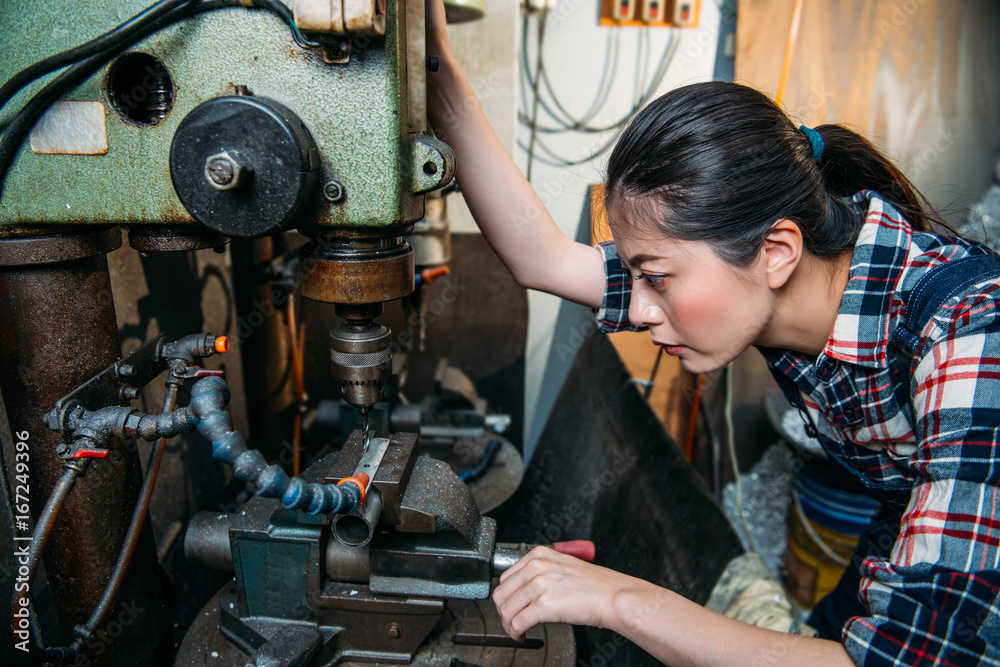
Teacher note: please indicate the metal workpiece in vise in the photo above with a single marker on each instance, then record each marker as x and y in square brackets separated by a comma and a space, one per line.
[369, 585]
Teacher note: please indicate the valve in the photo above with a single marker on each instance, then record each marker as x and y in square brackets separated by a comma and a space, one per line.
[84, 448]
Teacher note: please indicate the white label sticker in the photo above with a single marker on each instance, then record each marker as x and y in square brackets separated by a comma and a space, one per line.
[71, 128]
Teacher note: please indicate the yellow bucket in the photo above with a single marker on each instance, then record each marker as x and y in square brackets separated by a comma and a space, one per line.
[824, 527]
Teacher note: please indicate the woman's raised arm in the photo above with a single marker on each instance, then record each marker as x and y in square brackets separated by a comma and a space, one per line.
[506, 208]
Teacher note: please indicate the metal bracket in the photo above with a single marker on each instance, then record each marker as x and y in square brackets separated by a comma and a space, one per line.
[433, 164]
[117, 384]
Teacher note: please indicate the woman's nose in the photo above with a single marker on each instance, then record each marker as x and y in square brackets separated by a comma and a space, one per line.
[643, 311]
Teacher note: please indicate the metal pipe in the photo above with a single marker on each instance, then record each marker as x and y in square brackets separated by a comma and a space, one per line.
[508, 553]
[43, 530]
[357, 528]
[348, 564]
[206, 542]
[132, 537]
[266, 351]
[57, 330]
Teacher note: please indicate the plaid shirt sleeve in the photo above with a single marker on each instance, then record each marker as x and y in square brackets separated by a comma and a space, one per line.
[935, 599]
[612, 316]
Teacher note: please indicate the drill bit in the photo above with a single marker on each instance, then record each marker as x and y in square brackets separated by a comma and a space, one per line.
[364, 427]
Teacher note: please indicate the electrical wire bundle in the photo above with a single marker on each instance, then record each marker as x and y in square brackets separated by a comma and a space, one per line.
[566, 121]
[83, 61]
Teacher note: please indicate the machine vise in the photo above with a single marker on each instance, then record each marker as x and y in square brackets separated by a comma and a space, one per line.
[372, 585]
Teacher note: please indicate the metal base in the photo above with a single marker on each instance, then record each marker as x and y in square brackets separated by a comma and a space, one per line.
[469, 630]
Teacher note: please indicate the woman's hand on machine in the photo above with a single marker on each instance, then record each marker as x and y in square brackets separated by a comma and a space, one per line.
[549, 587]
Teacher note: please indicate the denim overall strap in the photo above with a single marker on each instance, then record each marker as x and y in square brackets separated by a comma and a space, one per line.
[932, 290]
[930, 293]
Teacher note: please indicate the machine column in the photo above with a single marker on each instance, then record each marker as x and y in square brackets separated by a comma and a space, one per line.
[57, 329]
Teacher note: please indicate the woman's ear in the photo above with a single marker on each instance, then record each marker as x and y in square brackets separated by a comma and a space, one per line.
[781, 252]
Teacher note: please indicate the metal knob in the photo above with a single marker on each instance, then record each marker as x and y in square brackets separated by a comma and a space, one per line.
[226, 170]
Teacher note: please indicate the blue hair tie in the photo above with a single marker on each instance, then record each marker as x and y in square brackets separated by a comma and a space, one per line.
[816, 140]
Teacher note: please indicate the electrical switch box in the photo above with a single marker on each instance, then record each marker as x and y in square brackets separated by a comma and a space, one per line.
[624, 10]
[685, 13]
[649, 13]
[652, 11]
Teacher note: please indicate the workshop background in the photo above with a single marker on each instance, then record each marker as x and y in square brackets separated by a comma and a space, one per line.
[488, 361]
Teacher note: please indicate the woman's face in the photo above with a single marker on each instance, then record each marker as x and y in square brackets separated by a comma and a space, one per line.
[697, 307]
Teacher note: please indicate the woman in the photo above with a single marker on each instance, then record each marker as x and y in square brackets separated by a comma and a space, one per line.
[734, 228]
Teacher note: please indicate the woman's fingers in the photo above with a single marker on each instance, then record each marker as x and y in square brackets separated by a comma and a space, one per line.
[537, 552]
[549, 587]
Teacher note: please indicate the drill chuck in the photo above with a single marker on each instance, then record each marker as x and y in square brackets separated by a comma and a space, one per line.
[361, 360]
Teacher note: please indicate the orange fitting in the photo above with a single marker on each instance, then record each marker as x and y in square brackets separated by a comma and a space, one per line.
[431, 274]
[222, 344]
[360, 480]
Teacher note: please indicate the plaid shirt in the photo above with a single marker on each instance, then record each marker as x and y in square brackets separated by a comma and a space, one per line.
[612, 316]
[936, 597]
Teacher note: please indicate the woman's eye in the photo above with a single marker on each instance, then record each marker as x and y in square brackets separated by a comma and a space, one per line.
[652, 280]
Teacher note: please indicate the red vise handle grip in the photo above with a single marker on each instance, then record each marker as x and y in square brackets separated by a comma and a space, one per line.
[582, 549]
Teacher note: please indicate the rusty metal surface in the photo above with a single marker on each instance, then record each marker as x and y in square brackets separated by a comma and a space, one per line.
[163, 239]
[331, 280]
[58, 329]
[476, 318]
[176, 293]
[57, 247]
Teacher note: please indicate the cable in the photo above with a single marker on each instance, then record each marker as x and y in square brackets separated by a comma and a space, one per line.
[693, 418]
[538, 75]
[285, 14]
[13, 136]
[43, 529]
[125, 31]
[600, 99]
[562, 162]
[295, 334]
[667, 58]
[114, 584]
[730, 437]
[786, 65]
[713, 438]
[8, 496]
[652, 375]
[641, 65]
[620, 125]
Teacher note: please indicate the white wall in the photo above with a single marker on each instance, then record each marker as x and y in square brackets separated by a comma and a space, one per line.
[574, 52]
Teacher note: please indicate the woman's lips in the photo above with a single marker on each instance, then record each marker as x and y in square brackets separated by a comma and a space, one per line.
[673, 350]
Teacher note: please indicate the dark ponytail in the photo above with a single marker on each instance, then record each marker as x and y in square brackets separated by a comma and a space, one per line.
[720, 162]
[851, 163]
